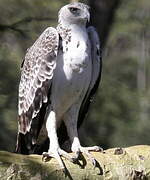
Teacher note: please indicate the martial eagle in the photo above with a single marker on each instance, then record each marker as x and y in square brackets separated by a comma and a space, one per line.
[60, 74]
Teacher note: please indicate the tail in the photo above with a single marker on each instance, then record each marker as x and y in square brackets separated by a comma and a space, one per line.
[21, 146]
[27, 143]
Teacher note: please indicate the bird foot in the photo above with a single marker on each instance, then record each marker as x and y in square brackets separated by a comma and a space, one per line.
[86, 151]
[57, 154]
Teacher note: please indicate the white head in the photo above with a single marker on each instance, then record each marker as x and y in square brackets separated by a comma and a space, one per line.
[74, 13]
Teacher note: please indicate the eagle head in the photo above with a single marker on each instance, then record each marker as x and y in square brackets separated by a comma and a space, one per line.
[74, 13]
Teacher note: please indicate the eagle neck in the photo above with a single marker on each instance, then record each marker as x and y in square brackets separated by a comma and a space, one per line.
[65, 31]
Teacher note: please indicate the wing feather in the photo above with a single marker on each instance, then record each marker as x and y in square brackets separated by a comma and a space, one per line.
[96, 73]
[36, 77]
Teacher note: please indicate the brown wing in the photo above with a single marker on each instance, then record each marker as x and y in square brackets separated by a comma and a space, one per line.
[36, 77]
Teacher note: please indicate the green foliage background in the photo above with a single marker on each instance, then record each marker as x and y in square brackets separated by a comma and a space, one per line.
[120, 113]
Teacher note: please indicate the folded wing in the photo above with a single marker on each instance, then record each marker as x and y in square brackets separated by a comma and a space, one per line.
[36, 77]
[96, 72]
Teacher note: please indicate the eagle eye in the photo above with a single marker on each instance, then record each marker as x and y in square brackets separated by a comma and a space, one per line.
[73, 9]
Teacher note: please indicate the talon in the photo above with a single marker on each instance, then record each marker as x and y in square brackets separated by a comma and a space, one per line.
[94, 162]
[91, 158]
[97, 165]
[75, 158]
[45, 157]
[66, 155]
[86, 151]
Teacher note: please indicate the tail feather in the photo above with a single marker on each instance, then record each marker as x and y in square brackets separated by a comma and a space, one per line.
[21, 146]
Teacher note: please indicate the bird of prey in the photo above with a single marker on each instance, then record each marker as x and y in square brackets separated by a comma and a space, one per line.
[60, 74]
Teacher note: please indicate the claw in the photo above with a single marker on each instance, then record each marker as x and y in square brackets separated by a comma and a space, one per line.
[86, 150]
[90, 157]
[79, 159]
[65, 172]
[46, 157]
[66, 155]
[76, 157]
[95, 163]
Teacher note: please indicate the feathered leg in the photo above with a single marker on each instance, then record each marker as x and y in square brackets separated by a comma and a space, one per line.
[54, 149]
[71, 118]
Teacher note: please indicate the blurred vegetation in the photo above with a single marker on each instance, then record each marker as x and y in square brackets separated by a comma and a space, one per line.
[120, 113]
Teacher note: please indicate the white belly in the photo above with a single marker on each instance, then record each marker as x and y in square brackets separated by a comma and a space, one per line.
[71, 78]
[72, 75]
